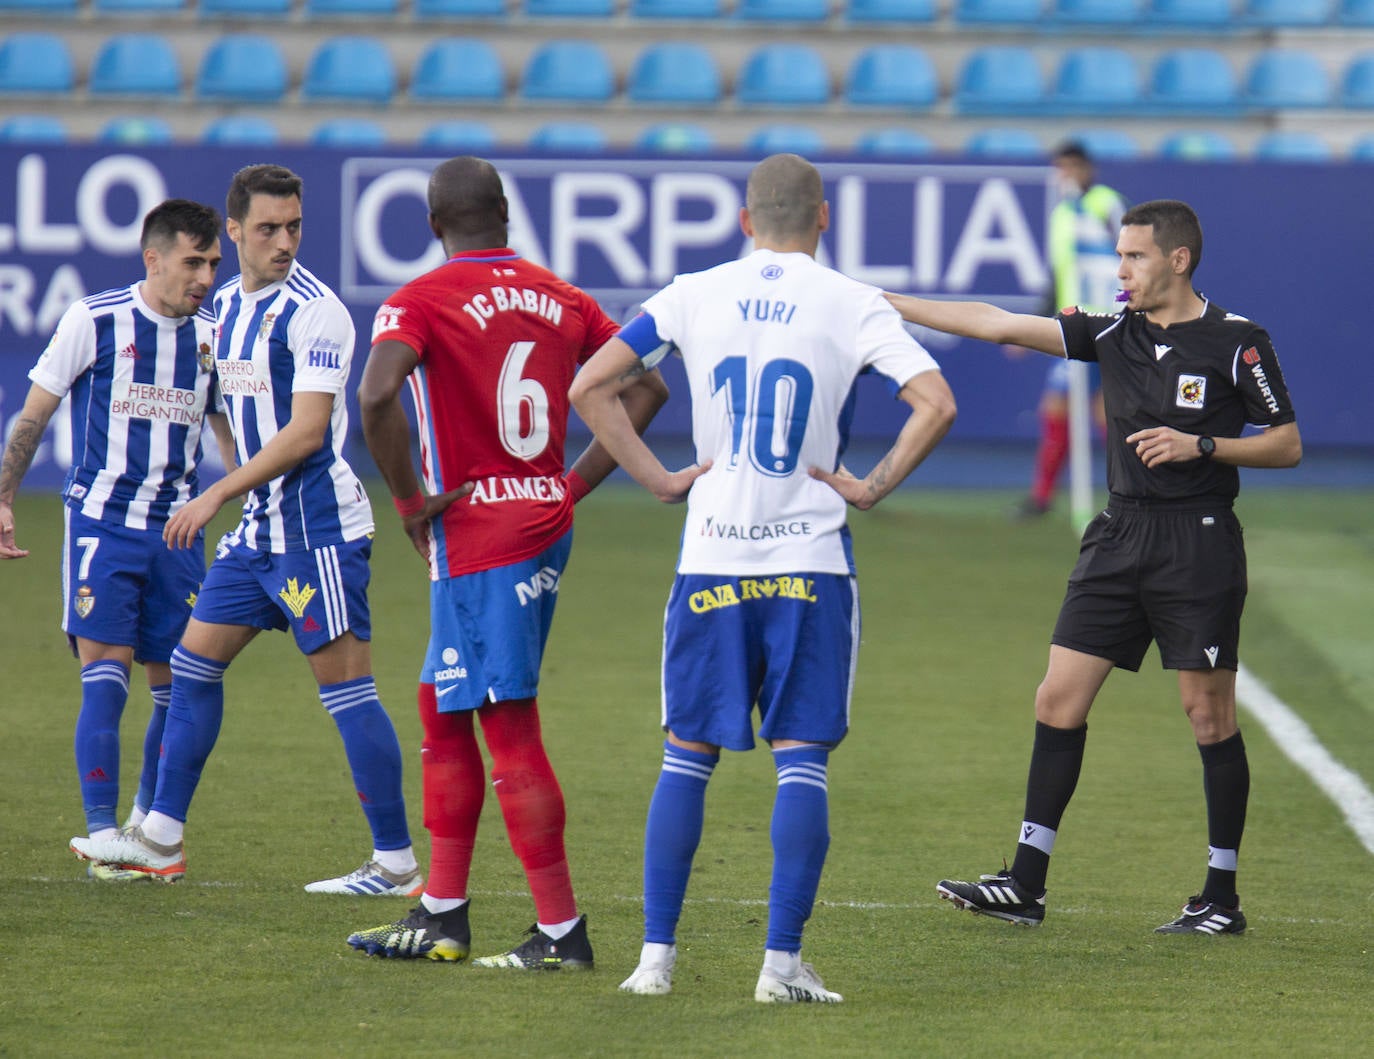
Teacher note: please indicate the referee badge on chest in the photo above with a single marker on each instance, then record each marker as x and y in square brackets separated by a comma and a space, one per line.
[1192, 391]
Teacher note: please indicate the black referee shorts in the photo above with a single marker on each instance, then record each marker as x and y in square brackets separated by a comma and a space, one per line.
[1172, 573]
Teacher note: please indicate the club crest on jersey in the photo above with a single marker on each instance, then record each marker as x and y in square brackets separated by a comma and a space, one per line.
[265, 328]
[1192, 391]
[296, 598]
[206, 356]
[771, 272]
[84, 602]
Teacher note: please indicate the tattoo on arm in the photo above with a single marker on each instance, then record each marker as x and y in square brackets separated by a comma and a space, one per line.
[632, 373]
[878, 479]
[24, 441]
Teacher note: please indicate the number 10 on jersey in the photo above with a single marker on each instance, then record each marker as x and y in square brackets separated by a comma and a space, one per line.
[774, 403]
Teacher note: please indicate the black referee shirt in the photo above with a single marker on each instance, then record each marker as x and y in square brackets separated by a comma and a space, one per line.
[1212, 375]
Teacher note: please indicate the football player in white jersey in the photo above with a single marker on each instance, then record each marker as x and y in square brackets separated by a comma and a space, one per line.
[764, 609]
[299, 558]
[138, 363]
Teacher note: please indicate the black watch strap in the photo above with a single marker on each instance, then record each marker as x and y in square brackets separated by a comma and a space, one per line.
[1206, 446]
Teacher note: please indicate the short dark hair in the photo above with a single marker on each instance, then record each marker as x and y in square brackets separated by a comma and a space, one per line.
[165, 220]
[274, 180]
[1073, 149]
[1174, 223]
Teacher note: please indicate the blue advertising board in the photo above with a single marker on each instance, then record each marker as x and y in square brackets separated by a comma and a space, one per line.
[1286, 244]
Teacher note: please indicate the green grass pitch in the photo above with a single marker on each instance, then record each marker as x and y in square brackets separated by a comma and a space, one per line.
[237, 961]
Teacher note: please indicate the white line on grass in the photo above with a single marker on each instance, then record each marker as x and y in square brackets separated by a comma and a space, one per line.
[1344, 787]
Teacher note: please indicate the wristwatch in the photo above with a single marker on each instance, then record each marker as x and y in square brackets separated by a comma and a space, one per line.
[1206, 446]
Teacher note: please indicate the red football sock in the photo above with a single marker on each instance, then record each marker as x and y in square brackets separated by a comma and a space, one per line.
[532, 804]
[455, 785]
[1050, 457]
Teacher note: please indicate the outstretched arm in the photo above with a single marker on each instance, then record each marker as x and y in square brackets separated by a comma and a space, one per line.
[932, 414]
[25, 438]
[387, 432]
[981, 320]
[596, 394]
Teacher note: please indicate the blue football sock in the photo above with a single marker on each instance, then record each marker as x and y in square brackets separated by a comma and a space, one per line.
[374, 755]
[801, 838]
[192, 725]
[104, 691]
[152, 746]
[671, 835]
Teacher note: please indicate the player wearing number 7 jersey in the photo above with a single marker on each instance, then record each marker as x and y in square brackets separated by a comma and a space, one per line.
[488, 343]
[764, 610]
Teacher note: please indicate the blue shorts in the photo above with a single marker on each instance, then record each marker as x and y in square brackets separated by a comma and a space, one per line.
[125, 586]
[488, 630]
[319, 595]
[1057, 378]
[786, 643]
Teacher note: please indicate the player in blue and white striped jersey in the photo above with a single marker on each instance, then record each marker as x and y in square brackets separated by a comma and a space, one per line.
[298, 559]
[764, 610]
[138, 367]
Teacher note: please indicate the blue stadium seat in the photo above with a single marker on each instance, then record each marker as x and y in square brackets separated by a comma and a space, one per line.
[781, 138]
[1004, 143]
[1285, 14]
[1356, 13]
[138, 7]
[1000, 79]
[136, 132]
[348, 132]
[1193, 79]
[459, 68]
[135, 64]
[241, 130]
[1107, 143]
[1097, 79]
[1362, 150]
[242, 68]
[33, 128]
[40, 7]
[783, 10]
[703, 9]
[1195, 146]
[674, 73]
[1357, 83]
[569, 8]
[892, 75]
[895, 143]
[1188, 15]
[783, 75]
[34, 62]
[905, 11]
[675, 138]
[1292, 146]
[351, 69]
[571, 71]
[1283, 78]
[245, 8]
[1105, 13]
[460, 8]
[459, 136]
[349, 8]
[1000, 12]
[570, 136]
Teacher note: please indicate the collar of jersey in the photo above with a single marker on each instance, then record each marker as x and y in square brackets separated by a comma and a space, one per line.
[502, 253]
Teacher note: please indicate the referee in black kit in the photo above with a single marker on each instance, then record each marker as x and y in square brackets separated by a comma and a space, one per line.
[1181, 378]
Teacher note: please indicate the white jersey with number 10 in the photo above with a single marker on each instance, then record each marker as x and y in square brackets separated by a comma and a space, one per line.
[773, 345]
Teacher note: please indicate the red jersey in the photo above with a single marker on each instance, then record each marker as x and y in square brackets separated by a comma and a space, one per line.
[499, 339]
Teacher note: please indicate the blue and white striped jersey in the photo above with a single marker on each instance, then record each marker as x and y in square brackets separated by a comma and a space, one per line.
[289, 337]
[139, 385]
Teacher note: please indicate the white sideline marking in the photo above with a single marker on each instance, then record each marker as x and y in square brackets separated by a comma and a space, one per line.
[1292, 735]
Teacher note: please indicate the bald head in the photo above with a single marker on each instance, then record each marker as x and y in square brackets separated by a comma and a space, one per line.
[467, 205]
[784, 198]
